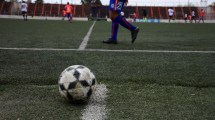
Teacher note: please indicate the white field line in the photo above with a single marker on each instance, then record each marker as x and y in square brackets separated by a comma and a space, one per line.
[86, 38]
[96, 108]
[37, 49]
[106, 50]
[151, 51]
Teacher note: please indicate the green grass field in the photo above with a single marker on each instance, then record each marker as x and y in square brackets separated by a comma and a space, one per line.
[142, 85]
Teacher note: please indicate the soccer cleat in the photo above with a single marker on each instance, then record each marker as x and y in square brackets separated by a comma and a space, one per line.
[110, 41]
[134, 34]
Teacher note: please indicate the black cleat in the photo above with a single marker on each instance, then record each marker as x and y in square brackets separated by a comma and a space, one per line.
[134, 34]
[110, 41]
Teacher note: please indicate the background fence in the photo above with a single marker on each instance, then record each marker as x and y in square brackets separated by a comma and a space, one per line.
[154, 12]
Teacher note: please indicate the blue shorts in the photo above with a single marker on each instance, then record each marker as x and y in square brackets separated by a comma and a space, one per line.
[116, 5]
[68, 15]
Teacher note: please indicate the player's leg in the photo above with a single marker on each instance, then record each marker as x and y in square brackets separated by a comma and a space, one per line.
[200, 19]
[114, 26]
[117, 18]
[26, 16]
[114, 31]
[70, 17]
[64, 16]
[114, 13]
[193, 18]
[23, 14]
[67, 15]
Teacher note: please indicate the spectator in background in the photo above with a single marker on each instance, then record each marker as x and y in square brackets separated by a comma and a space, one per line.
[68, 9]
[24, 8]
[144, 14]
[193, 16]
[171, 13]
[201, 15]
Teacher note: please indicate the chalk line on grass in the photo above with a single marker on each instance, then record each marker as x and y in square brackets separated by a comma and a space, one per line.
[86, 38]
[106, 50]
[96, 108]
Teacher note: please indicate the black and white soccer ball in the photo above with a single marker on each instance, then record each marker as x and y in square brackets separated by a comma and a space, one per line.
[77, 83]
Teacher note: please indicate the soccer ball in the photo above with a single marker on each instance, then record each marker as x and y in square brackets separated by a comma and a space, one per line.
[77, 83]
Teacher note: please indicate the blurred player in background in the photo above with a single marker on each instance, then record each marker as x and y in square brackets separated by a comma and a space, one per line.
[185, 17]
[24, 9]
[144, 14]
[193, 16]
[201, 15]
[68, 9]
[134, 16]
[115, 8]
[64, 14]
[171, 13]
[190, 18]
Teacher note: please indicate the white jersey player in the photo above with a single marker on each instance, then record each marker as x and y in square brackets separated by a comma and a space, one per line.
[171, 13]
[24, 9]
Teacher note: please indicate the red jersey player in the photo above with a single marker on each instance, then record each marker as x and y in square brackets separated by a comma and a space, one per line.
[68, 9]
[201, 15]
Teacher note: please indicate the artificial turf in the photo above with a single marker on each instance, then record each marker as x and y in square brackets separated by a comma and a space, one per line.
[142, 85]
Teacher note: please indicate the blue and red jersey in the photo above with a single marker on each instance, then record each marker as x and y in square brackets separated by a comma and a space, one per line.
[117, 5]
